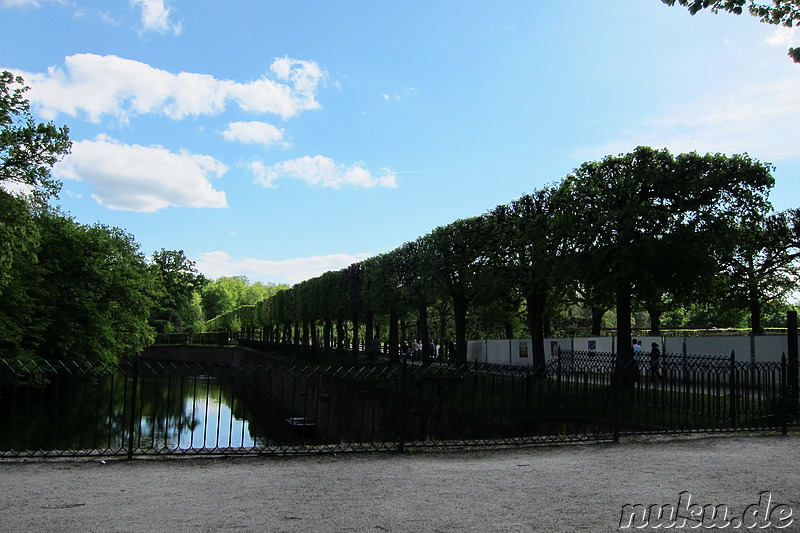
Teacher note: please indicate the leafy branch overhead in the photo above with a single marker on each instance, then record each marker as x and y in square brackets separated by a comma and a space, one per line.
[27, 150]
[780, 12]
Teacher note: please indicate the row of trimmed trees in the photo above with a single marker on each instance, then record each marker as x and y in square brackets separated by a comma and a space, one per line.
[646, 229]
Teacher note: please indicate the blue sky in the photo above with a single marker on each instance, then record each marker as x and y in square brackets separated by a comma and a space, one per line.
[281, 139]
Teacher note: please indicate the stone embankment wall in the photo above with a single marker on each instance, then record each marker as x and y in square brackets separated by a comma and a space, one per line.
[216, 355]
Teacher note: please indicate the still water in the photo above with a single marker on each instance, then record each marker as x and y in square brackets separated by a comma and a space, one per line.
[165, 411]
[199, 412]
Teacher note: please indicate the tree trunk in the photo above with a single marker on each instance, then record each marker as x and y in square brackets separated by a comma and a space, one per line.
[460, 306]
[369, 329]
[597, 321]
[424, 334]
[314, 335]
[536, 305]
[625, 364]
[403, 330]
[394, 341]
[443, 333]
[327, 333]
[355, 336]
[306, 333]
[755, 314]
[655, 321]
[340, 334]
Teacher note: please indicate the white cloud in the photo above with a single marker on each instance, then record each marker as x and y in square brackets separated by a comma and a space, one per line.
[110, 85]
[143, 178]
[18, 189]
[760, 119]
[253, 133]
[217, 264]
[322, 171]
[156, 16]
[25, 3]
[783, 37]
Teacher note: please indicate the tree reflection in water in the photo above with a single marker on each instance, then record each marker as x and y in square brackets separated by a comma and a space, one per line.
[176, 408]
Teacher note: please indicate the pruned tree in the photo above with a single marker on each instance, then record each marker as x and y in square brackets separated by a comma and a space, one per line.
[763, 265]
[454, 258]
[650, 217]
[382, 294]
[527, 252]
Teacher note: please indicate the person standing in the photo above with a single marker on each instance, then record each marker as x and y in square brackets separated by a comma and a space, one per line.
[637, 357]
[637, 349]
[655, 357]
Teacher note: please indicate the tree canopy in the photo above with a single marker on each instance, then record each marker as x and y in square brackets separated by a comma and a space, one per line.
[73, 291]
[641, 215]
[779, 12]
[28, 149]
[177, 308]
[67, 290]
[644, 230]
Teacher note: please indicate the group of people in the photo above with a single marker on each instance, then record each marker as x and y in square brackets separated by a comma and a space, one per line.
[655, 357]
[413, 350]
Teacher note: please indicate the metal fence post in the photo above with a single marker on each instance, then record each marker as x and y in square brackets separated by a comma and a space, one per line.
[791, 344]
[732, 386]
[405, 410]
[784, 401]
[558, 381]
[132, 423]
[616, 414]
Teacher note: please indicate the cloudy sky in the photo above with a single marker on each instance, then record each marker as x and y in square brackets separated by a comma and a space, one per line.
[280, 139]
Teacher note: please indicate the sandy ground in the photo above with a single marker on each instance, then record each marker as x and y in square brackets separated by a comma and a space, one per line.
[555, 488]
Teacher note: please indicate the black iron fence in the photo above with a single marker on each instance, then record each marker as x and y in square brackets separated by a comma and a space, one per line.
[141, 407]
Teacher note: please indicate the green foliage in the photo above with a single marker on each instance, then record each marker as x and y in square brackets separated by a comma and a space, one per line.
[19, 241]
[67, 290]
[28, 149]
[381, 282]
[76, 292]
[640, 214]
[526, 261]
[763, 264]
[225, 294]
[455, 260]
[779, 12]
[93, 297]
[176, 308]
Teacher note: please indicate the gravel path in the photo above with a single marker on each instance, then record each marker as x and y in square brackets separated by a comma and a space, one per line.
[555, 488]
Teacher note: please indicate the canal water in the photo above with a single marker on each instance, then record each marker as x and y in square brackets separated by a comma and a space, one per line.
[155, 408]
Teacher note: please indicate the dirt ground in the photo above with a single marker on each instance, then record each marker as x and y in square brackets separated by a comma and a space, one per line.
[554, 488]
